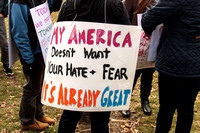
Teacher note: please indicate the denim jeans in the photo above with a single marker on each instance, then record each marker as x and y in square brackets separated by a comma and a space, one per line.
[3, 42]
[176, 94]
[69, 120]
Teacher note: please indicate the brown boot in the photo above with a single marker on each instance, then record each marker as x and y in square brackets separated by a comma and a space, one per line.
[46, 119]
[37, 126]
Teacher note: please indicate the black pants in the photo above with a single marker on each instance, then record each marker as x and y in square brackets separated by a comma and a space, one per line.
[31, 107]
[69, 120]
[146, 81]
[176, 93]
[3, 42]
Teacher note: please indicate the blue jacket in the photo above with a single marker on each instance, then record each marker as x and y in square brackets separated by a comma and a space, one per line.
[22, 28]
[179, 54]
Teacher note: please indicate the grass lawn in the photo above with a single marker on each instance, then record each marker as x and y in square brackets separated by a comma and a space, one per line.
[11, 91]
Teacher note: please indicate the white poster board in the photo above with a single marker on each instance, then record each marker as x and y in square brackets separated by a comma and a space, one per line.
[139, 18]
[12, 47]
[43, 25]
[90, 66]
[144, 52]
[155, 40]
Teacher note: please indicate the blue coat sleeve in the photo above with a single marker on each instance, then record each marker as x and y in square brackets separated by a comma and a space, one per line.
[19, 30]
[159, 14]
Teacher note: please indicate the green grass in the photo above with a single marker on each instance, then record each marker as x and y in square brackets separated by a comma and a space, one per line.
[10, 96]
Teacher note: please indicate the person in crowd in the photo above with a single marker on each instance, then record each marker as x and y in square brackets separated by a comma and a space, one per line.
[24, 36]
[178, 60]
[135, 7]
[3, 37]
[103, 11]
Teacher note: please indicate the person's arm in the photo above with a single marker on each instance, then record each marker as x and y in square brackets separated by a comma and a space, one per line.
[159, 14]
[19, 30]
[121, 13]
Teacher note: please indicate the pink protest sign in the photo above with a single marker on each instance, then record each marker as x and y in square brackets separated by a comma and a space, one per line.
[43, 26]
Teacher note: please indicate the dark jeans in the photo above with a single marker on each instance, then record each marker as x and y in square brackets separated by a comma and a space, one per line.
[146, 81]
[176, 93]
[69, 120]
[31, 107]
[3, 42]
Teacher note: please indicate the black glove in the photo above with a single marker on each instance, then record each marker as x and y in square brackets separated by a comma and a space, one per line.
[32, 68]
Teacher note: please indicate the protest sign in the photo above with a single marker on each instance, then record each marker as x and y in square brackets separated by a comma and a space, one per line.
[139, 18]
[43, 25]
[90, 66]
[143, 54]
[155, 40]
[12, 47]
